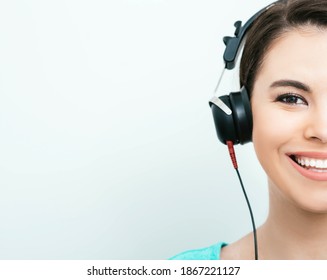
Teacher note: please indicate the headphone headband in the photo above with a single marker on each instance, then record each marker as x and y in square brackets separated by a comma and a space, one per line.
[233, 43]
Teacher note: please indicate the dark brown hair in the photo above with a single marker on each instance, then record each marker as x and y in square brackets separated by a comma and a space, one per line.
[280, 18]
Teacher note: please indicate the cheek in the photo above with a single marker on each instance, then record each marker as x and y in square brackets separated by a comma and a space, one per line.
[276, 126]
[270, 132]
[276, 132]
[268, 128]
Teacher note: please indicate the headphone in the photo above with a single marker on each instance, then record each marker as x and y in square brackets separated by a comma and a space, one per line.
[232, 113]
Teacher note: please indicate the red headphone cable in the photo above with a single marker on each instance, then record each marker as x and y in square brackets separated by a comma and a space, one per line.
[231, 151]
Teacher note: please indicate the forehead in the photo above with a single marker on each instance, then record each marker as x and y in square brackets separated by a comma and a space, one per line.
[299, 54]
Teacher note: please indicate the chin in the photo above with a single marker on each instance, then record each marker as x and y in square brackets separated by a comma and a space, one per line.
[312, 201]
[306, 196]
[315, 206]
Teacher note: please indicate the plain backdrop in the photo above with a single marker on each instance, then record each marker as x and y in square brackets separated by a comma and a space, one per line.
[108, 147]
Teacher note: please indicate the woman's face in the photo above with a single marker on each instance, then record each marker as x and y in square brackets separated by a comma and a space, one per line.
[289, 105]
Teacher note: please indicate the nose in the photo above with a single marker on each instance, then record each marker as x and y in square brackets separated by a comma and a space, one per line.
[316, 128]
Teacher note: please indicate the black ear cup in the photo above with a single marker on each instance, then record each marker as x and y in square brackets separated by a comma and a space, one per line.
[224, 123]
[236, 127]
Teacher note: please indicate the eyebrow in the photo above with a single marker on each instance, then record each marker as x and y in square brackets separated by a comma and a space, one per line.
[291, 83]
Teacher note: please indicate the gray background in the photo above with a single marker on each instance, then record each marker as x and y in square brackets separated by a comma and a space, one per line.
[108, 148]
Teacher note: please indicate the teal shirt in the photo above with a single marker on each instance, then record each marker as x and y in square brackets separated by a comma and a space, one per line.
[207, 253]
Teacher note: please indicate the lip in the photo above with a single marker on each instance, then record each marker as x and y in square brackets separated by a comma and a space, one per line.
[316, 176]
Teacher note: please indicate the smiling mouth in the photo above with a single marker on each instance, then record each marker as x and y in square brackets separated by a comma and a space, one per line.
[312, 164]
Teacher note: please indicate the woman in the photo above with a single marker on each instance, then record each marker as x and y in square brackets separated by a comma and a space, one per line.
[284, 69]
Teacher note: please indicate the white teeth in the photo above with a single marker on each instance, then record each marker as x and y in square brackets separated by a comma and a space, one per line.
[307, 162]
[311, 162]
[320, 163]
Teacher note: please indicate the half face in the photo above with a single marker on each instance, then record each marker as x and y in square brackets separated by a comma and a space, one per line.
[289, 105]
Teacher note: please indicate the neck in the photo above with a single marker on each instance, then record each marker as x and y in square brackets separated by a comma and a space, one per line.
[290, 232]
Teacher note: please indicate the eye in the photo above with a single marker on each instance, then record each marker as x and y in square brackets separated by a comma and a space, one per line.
[291, 99]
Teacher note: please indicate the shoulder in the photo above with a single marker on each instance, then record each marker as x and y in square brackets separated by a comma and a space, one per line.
[207, 253]
[242, 249]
